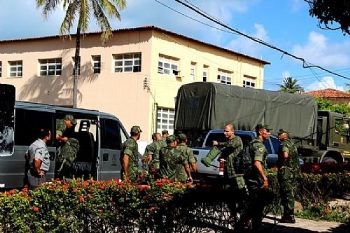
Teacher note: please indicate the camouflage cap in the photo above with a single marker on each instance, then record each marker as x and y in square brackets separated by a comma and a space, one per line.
[281, 131]
[170, 139]
[70, 118]
[262, 126]
[182, 137]
[135, 129]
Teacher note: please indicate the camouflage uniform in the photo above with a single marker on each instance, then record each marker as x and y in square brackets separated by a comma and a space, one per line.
[163, 142]
[67, 152]
[287, 173]
[187, 154]
[172, 163]
[232, 148]
[130, 148]
[258, 198]
[153, 149]
[258, 153]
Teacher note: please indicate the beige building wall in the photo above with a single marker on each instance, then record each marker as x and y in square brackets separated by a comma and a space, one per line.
[122, 94]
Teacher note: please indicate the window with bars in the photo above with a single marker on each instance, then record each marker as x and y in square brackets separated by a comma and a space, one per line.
[50, 67]
[128, 62]
[165, 119]
[193, 71]
[96, 63]
[16, 68]
[205, 73]
[168, 65]
[249, 81]
[224, 77]
[250, 84]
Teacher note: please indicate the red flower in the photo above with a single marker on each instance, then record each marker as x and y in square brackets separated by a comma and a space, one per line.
[36, 209]
[86, 184]
[143, 187]
[81, 198]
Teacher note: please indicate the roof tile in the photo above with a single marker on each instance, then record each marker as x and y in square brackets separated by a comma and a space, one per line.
[328, 93]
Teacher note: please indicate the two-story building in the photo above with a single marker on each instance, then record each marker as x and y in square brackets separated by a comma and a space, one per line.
[135, 75]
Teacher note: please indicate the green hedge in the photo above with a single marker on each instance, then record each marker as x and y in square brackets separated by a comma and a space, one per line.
[314, 191]
[161, 205]
[86, 206]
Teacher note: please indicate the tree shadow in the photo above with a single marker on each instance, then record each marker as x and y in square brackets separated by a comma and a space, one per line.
[57, 90]
[342, 228]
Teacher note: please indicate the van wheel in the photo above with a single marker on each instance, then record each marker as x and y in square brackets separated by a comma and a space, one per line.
[329, 160]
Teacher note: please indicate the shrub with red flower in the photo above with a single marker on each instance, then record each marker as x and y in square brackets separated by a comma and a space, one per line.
[321, 168]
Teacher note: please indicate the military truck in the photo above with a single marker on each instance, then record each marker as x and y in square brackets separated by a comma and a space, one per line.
[321, 136]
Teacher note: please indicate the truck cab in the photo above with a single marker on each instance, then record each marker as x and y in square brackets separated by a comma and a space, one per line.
[272, 145]
[332, 141]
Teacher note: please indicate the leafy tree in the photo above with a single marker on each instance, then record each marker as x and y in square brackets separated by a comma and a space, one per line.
[324, 104]
[291, 85]
[81, 10]
[329, 12]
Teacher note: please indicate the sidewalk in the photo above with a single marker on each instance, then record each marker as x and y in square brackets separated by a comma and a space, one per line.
[304, 226]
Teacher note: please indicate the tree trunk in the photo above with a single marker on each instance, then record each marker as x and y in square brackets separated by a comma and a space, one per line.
[76, 67]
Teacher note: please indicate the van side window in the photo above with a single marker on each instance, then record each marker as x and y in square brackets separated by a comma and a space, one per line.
[28, 123]
[110, 134]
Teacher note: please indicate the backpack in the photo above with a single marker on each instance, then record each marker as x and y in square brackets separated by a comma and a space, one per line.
[243, 163]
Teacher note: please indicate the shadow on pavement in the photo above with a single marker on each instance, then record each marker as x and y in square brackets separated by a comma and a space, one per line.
[343, 228]
[273, 228]
[276, 228]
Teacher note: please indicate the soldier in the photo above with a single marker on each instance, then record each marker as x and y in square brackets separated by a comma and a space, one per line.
[65, 134]
[172, 162]
[165, 134]
[130, 156]
[232, 147]
[151, 155]
[257, 181]
[288, 170]
[39, 159]
[186, 151]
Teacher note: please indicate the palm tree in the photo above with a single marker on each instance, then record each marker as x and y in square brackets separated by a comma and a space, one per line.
[291, 85]
[81, 10]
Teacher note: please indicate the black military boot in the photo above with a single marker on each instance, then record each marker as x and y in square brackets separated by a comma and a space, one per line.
[288, 219]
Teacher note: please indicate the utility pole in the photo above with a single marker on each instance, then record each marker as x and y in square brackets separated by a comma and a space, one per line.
[76, 67]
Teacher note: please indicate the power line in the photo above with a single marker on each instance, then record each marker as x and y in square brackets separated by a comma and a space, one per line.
[284, 52]
[189, 17]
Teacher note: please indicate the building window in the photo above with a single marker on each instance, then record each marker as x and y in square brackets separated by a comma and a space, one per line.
[165, 119]
[249, 81]
[224, 77]
[128, 62]
[193, 71]
[205, 73]
[96, 63]
[50, 66]
[168, 65]
[16, 68]
[0, 69]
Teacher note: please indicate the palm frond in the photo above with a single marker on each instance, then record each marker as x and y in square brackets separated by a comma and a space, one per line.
[84, 15]
[69, 18]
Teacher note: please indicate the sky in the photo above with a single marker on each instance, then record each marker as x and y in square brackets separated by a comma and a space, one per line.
[285, 24]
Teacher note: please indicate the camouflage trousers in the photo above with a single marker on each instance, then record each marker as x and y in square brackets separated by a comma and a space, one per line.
[287, 184]
[133, 174]
[66, 156]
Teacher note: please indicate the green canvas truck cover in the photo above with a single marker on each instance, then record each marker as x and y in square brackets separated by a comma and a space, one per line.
[204, 106]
